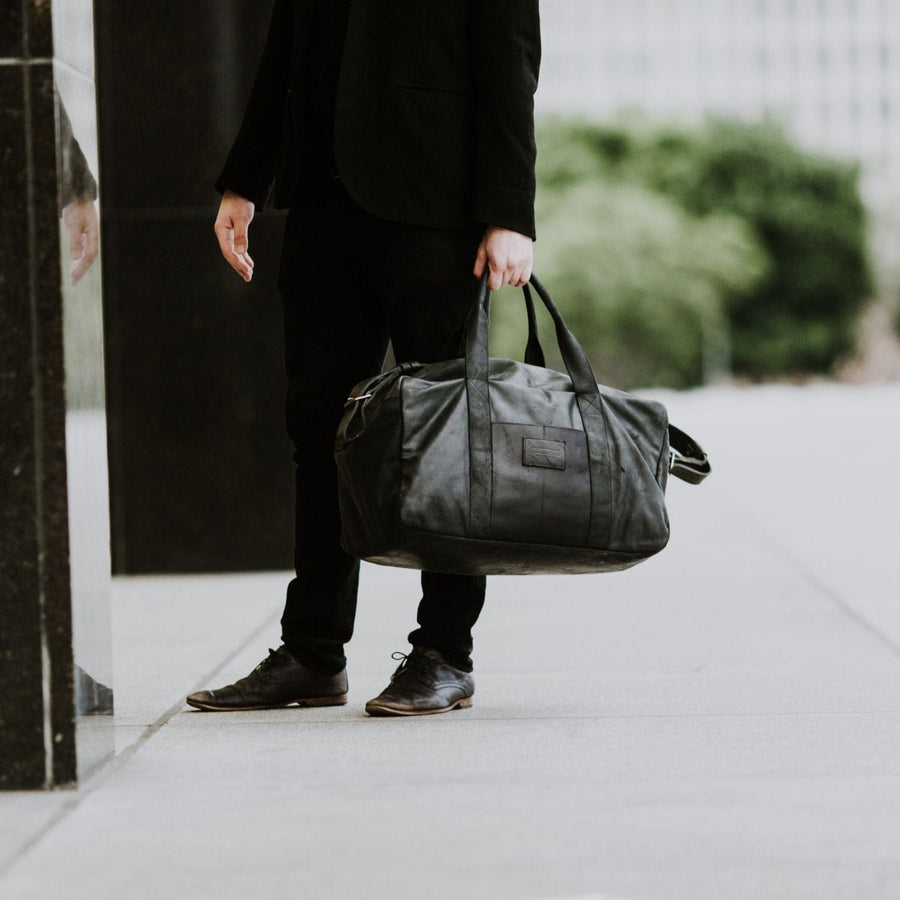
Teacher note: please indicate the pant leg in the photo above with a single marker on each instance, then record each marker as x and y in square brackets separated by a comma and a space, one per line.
[424, 277]
[335, 335]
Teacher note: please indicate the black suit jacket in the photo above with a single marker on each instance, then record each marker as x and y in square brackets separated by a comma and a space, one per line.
[434, 123]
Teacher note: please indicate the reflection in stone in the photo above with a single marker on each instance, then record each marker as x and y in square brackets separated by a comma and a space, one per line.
[77, 193]
[75, 179]
[91, 697]
[55, 641]
[85, 421]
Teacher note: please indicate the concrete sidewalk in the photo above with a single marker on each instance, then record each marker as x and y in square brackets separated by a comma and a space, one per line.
[720, 723]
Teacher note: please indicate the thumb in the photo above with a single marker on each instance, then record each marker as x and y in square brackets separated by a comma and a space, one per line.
[76, 242]
[480, 260]
[240, 236]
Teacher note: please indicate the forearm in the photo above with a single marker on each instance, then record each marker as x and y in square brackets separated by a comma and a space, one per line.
[76, 184]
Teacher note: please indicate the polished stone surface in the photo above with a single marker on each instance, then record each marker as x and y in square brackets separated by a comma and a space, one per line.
[11, 34]
[36, 716]
[55, 666]
[200, 467]
[38, 28]
[719, 722]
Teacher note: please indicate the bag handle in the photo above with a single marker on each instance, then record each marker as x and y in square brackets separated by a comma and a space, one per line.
[590, 406]
[476, 339]
[534, 353]
[455, 346]
[687, 459]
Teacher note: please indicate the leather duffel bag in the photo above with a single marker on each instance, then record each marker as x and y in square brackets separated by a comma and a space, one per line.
[479, 466]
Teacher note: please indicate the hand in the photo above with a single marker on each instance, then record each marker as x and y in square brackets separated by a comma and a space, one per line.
[508, 255]
[80, 219]
[232, 224]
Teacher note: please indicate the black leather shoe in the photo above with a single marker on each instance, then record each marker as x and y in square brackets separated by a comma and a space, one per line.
[424, 684]
[279, 680]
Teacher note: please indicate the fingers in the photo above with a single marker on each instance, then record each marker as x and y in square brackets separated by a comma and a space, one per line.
[91, 237]
[80, 219]
[232, 231]
[241, 240]
[89, 242]
[480, 259]
[76, 241]
[515, 274]
[79, 267]
[239, 261]
[509, 257]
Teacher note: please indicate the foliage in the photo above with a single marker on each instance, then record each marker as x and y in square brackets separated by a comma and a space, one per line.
[666, 244]
[640, 282]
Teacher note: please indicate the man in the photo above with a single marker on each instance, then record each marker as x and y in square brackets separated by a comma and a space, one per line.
[400, 134]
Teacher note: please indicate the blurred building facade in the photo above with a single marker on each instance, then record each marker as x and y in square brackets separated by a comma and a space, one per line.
[828, 70]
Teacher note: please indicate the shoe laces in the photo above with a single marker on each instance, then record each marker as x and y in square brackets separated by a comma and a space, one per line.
[410, 662]
[266, 666]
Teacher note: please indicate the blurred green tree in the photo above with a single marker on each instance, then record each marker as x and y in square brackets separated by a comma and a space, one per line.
[671, 248]
[641, 282]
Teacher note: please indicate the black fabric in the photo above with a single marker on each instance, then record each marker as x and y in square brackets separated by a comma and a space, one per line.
[481, 466]
[433, 136]
[434, 117]
[344, 295]
[323, 67]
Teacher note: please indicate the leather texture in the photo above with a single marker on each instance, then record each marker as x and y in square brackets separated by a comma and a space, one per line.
[279, 680]
[423, 684]
[482, 466]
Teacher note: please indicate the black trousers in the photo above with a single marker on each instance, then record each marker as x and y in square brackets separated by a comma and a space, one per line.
[349, 283]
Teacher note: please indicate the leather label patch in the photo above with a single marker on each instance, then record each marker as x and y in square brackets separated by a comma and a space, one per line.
[545, 454]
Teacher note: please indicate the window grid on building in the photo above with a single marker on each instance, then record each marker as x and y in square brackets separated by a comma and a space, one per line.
[828, 70]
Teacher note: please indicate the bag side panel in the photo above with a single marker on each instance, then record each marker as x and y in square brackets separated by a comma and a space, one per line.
[368, 475]
[434, 456]
[638, 433]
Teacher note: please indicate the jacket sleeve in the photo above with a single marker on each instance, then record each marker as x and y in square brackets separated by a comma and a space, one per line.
[250, 167]
[76, 181]
[506, 48]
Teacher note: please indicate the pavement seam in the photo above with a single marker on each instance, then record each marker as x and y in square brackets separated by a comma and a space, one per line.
[752, 524]
[99, 776]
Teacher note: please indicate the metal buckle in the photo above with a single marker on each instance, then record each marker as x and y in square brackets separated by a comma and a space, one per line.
[352, 400]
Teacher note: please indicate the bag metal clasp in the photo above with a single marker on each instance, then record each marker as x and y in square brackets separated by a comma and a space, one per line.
[352, 400]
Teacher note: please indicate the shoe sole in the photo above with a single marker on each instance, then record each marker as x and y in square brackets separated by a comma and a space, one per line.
[307, 702]
[374, 710]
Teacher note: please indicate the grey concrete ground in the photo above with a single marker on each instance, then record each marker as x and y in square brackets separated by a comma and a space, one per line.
[721, 723]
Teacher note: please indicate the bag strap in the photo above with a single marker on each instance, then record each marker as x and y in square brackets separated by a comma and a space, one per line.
[534, 353]
[587, 395]
[455, 346]
[687, 459]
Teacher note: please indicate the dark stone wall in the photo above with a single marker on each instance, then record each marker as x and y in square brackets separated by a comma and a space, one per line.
[37, 732]
[199, 465]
